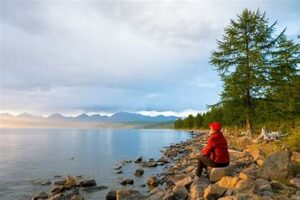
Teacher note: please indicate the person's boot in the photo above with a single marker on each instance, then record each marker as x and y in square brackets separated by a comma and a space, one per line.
[205, 173]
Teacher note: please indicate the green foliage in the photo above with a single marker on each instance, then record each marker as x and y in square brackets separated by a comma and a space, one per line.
[242, 61]
[260, 74]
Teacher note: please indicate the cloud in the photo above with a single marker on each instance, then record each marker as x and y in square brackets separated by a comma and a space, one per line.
[107, 56]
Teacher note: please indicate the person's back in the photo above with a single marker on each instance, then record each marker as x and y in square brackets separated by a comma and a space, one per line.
[221, 154]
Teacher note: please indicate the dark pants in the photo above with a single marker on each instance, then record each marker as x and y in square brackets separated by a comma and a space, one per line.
[205, 162]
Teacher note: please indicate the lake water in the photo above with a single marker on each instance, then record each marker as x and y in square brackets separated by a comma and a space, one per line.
[30, 154]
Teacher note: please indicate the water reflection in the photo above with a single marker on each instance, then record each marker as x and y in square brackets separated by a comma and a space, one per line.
[27, 154]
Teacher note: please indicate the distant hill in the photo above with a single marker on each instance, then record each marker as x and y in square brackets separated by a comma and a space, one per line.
[83, 120]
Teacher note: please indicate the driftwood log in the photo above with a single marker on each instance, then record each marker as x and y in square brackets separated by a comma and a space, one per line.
[270, 135]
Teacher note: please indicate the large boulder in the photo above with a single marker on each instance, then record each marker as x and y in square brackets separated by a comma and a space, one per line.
[213, 192]
[182, 180]
[125, 194]
[217, 173]
[276, 166]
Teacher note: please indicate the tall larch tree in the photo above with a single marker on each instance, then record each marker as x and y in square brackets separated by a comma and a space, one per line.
[242, 60]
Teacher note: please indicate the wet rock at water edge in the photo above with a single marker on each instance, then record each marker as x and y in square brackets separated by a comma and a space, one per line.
[125, 194]
[41, 195]
[127, 181]
[41, 182]
[139, 172]
[58, 189]
[119, 171]
[59, 196]
[118, 167]
[139, 159]
[72, 181]
[152, 182]
[150, 163]
[61, 182]
[95, 188]
[111, 195]
[87, 183]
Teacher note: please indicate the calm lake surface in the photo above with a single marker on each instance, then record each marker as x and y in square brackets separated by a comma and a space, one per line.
[31, 154]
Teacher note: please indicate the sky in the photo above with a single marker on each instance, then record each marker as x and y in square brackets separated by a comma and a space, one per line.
[149, 57]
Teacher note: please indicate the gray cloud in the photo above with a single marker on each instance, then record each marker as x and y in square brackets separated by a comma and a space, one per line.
[117, 55]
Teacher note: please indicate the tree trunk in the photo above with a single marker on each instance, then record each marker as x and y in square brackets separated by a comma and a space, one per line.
[248, 95]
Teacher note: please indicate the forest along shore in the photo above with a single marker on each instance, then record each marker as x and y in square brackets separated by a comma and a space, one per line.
[251, 175]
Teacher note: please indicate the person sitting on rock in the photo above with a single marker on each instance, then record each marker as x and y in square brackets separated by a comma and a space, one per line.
[215, 153]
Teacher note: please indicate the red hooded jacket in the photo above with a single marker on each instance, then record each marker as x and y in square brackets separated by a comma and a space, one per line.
[217, 148]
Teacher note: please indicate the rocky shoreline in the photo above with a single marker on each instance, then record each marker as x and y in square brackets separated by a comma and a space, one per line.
[251, 175]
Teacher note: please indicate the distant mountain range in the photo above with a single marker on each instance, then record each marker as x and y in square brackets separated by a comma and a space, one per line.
[58, 120]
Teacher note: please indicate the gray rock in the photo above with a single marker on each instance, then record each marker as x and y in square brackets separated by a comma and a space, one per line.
[41, 182]
[276, 166]
[149, 164]
[41, 195]
[125, 194]
[263, 187]
[182, 180]
[119, 171]
[58, 189]
[59, 196]
[87, 183]
[61, 182]
[111, 195]
[180, 192]
[72, 181]
[95, 188]
[156, 194]
[127, 181]
[163, 160]
[139, 159]
[139, 172]
[117, 167]
[152, 182]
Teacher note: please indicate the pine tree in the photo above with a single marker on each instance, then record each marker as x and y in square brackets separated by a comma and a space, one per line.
[198, 121]
[284, 79]
[242, 58]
